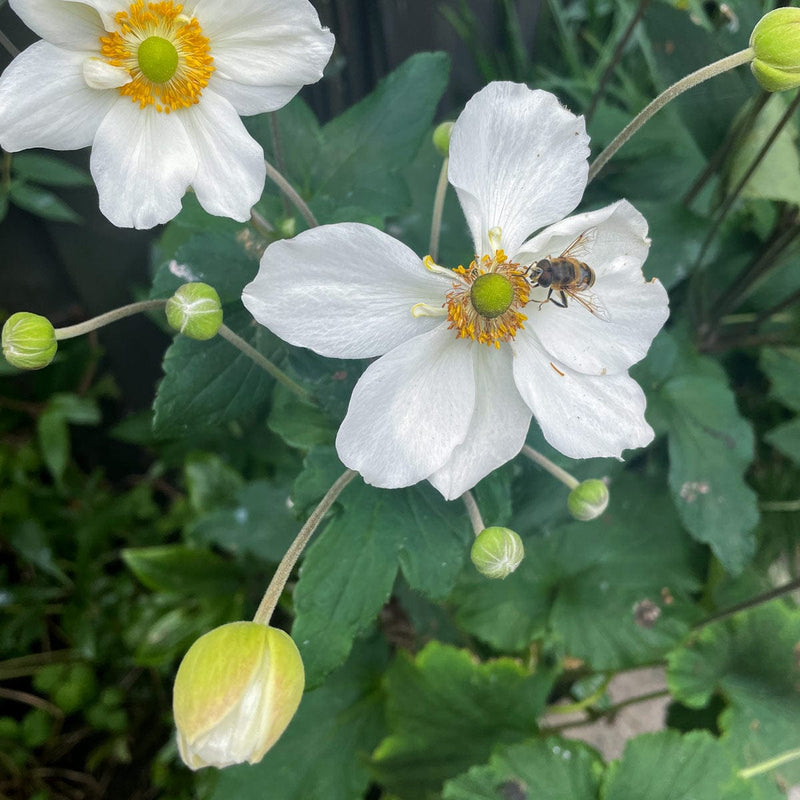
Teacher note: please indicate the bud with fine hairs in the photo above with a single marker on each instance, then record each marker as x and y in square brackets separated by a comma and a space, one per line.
[776, 43]
[497, 552]
[236, 690]
[195, 311]
[29, 341]
[588, 500]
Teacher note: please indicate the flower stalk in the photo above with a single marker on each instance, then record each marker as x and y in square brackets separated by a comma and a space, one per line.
[71, 331]
[291, 194]
[438, 209]
[545, 463]
[278, 582]
[474, 512]
[690, 81]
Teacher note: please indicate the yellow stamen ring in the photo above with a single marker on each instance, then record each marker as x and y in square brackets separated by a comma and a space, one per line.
[164, 52]
[486, 304]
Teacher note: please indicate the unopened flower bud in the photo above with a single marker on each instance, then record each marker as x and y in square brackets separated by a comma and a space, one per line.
[497, 552]
[236, 690]
[776, 42]
[29, 341]
[441, 137]
[588, 500]
[195, 311]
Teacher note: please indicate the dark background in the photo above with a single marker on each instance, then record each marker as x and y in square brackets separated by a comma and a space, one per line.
[71, 272]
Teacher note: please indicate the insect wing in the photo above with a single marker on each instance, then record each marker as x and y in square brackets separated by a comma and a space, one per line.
[582, 245]
[591, 302]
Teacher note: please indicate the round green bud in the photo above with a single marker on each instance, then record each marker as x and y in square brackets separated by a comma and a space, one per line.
[497, 552]
[29, 341]
[236, 690]
[441, 137]
[158, 58]
[776, 42]
[588, 500]
[491, 295]
[195, 311]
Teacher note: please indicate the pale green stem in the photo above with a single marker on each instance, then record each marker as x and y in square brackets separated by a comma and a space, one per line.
[766, 766]
[277, 178]
[700, 75]
[581, 704]
[438, 208]
[780, 505]
[226, 333]
[474, 512]
[553, 469]
[278, 582]
[93, 324]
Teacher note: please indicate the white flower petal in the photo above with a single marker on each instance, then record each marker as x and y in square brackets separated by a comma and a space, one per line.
[344, 291]
[497, 430]
[74, 25]
[99, 74]
[517, 161]
[142, 163]
[45, 102]
[230, 173]
[636, 309]
[266, 42]
[409, 410]
[583, 416]
[247, 99]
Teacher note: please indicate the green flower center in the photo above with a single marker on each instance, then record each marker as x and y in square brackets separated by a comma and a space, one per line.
[158, 59]
[492, 295]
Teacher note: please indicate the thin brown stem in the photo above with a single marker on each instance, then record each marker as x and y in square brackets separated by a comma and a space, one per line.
[753, 602]
[615, 58]
[278, 582]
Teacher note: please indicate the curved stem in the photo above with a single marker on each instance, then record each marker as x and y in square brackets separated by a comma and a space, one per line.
[700, 75]
[438, 208]
[226, 333]
[71, 331]
[556, 471]
[261, 223]
[289, 191]
[758, 600]
[474, 512]
[278, 582]
[771, 763]
[588, 701]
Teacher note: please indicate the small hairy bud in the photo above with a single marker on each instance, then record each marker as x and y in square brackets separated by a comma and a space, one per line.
[195, 311]
[588, 500]
[441, 137]
[236, 690]
[497, 552]
[776, 42]
[29, 341]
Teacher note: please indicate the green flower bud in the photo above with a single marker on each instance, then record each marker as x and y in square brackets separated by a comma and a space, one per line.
[29, 341]
[776, 42]
[236, 690]
[441, 137]
[195, 311]
[588, 500]
[497, 552]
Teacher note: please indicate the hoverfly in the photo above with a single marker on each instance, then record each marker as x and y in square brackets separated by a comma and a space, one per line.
[569, 277]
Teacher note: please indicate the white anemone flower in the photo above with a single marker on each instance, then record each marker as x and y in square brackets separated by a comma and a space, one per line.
[467, 356]
[156, 88]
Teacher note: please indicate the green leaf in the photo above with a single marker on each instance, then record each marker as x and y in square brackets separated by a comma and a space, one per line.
[349, 571]
[225, 260]
[710, 447]
[299, 424]
[786, 439]
[782, 367]
[48, 170]
[671, 766]
[258, 522]
[583, 582]
[41, 202]
[752, 660]
[551, 769]
[777, 177]
[210, 481]
[321, 754]
[177, 569]
[365, 147]
[446, 711]
[211, 384]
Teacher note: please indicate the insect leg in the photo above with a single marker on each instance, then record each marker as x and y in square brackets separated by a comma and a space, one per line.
[563, 303]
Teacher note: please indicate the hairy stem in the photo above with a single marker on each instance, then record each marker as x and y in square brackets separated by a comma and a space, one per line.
[71, 331]
[278, 582]
[474, 512]
[289, 191]
[556, 471]
[438, 208]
